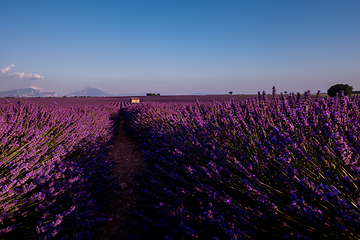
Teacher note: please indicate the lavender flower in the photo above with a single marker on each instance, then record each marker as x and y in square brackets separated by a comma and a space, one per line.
[256, 169]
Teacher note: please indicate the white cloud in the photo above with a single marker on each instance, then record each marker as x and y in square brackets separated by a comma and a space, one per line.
[21, 75]
[25, 75]
[7, 68]
[37, 88]
[36, 76]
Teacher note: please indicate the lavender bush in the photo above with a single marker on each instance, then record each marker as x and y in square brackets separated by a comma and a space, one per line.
[52, 169]
[281, 169]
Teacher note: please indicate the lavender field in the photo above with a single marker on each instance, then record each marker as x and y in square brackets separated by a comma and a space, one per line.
[53, 174]
[285, 168]
[269, 167]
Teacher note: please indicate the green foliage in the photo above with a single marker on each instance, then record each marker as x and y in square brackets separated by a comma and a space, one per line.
[152, 94]
[337, 88]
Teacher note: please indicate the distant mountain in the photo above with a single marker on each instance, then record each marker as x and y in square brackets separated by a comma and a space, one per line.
[92, 92]
[28, 92]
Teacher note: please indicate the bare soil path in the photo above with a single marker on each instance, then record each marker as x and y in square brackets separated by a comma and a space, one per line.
[124, 152]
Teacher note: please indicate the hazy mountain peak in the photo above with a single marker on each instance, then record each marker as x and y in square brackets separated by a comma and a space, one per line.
[92, 92]
[28, 92]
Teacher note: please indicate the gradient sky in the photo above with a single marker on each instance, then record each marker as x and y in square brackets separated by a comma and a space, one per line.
[179, 46]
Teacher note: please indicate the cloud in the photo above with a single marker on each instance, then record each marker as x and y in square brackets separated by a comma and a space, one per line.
[25, 75]
[37, 88]
[36, 76]
[21, 75]
[7, 68]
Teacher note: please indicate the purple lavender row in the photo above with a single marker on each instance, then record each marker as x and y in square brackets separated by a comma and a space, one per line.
[120, 105]
[49, 158]
[286, 168]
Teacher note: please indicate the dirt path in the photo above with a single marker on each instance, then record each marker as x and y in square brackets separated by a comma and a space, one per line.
[129, 160]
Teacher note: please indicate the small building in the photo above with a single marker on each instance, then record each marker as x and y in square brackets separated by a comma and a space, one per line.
[134, 100]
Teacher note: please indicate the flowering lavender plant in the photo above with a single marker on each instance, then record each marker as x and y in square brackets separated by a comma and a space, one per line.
[52, 168]
[282, 169]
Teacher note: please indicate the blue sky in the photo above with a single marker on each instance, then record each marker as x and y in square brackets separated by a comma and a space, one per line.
[179, 47]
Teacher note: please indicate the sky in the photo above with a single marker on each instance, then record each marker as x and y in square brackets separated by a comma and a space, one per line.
[133, 47]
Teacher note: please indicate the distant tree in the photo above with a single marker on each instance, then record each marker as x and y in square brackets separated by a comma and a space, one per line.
[338, 88]
[152, 94]
[230, 93]
[285, 92]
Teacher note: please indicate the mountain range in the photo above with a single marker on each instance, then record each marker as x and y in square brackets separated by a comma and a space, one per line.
[28, 92]
[37, 92]
[91, 92]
